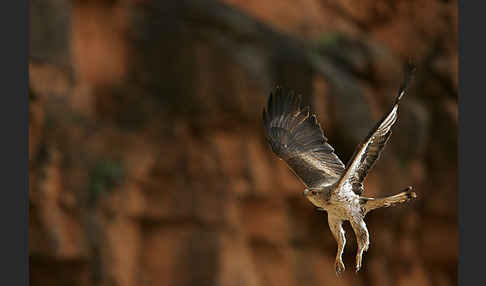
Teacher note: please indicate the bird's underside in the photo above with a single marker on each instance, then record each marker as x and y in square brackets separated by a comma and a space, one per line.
[296, 137]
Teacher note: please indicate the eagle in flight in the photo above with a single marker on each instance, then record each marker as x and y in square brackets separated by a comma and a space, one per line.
[296, 137]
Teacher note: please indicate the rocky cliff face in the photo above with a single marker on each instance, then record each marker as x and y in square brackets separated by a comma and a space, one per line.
[148, 164]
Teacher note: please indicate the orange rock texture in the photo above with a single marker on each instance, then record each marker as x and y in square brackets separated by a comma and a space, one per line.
[148, 164]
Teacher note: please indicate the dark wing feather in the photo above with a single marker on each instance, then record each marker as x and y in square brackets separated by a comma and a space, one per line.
[296, 137]
[370, 149]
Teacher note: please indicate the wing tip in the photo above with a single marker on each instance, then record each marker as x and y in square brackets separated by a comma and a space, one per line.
[282, 100]
[410, 70]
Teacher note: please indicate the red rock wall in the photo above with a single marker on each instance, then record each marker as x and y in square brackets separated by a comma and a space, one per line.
[148, 164]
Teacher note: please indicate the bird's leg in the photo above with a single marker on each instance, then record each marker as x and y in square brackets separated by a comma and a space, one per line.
[363, 239]
[335, 224]
[370, 204]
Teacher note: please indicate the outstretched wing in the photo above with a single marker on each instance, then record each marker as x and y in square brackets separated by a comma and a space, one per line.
[296, 137]
[368, 152]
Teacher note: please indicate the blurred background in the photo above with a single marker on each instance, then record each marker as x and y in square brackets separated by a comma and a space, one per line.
[148, 164]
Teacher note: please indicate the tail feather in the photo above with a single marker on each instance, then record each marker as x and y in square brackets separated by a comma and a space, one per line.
[403, 197]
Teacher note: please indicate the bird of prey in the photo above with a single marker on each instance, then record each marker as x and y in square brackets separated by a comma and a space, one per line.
[296, 137]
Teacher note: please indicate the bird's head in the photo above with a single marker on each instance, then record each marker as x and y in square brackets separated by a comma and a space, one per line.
[317, 197]
[310, 193]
